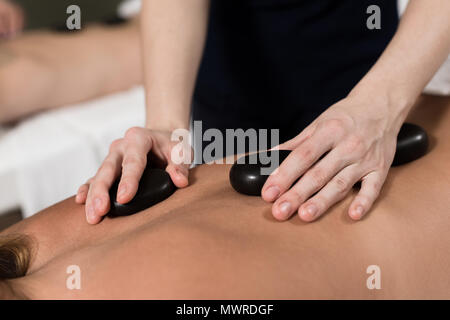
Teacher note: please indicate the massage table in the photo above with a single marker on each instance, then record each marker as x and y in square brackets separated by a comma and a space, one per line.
[46, 157]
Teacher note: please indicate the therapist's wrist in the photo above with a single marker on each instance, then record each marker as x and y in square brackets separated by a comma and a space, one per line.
[168, 125]
[167, 113]
[376, 103]
[388, 99]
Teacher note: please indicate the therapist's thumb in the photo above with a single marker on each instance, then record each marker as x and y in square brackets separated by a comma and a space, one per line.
[179, 175]
[178, 164]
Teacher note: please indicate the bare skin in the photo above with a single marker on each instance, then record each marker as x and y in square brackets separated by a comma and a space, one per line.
[207, 241]
[56, 69]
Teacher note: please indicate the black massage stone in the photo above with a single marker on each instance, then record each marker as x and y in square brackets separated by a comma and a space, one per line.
[154, 187]
[412, 143]
[246, 177]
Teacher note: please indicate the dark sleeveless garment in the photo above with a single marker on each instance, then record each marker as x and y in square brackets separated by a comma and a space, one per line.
[281, 63]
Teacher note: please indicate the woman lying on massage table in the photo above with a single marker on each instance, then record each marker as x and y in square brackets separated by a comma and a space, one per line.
[208, 241]
[62, 68]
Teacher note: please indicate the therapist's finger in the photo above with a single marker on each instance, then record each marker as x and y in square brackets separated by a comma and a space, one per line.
[295, 165]
[137, 145]
[333, 192]
[82, 192]
[97, 201]
[179, 159]
[179, 174]
[370, 190]
[311, 182]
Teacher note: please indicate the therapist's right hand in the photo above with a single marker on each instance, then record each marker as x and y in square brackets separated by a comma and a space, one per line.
[129, 157]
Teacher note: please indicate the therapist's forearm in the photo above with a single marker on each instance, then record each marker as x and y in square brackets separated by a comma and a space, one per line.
[416, 52]
[173, 37]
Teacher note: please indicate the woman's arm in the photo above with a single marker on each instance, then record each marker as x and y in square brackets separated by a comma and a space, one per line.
[173, 36]
[358, 134]
[420, 46]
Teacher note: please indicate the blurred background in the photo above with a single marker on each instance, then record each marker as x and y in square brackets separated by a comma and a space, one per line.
[46, 156]
[47, 13]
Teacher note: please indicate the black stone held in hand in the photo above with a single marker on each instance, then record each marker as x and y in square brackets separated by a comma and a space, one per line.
[154, 187]
[246, 178]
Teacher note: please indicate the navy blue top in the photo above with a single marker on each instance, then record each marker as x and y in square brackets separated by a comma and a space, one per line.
[281, 63]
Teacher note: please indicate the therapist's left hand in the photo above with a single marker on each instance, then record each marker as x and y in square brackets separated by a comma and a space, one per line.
[354, 140]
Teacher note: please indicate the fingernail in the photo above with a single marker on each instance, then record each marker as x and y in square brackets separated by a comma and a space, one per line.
[122, 191]
[358, 212]
[311, 211]
[285, 210]
[98, 204]
[272, 193]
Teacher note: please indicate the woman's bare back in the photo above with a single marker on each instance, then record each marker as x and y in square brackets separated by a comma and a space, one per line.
[207, 241]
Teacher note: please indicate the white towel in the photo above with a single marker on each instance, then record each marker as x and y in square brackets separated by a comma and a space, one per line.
[440, 84]
[51, 160]
[129, 8]
[9, 198]
[52, 154]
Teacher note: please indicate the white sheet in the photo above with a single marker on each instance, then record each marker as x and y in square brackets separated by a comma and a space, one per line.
[8, 193]
[46, 158]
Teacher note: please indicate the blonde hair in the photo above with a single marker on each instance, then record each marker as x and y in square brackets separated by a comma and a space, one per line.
[15, 256]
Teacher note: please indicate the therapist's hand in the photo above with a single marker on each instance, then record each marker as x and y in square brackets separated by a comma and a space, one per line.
[11, 19]
[354, 140]
[129, 156]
